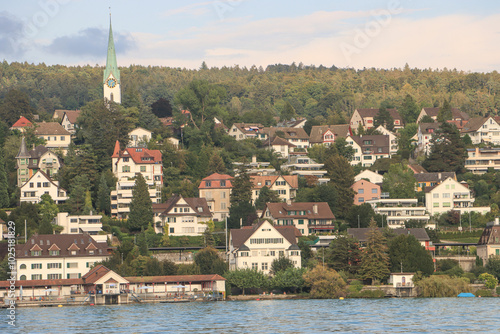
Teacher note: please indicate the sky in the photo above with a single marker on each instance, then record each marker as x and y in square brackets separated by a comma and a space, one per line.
[387, 34]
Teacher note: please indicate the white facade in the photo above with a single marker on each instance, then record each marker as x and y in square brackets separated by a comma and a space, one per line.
[264, 245]
[122, 196]
[487, 132]
[112, 90]
[139, 137]
[285, 185]
[182, 219]
[40, 184]
[397, 211]
[393, 140]
[90, 224]
[370, 176]
[451, 195]
[479, 160]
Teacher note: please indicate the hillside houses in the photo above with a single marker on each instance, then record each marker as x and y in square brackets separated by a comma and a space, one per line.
[369, 148]
[366, 118]
[327, 134]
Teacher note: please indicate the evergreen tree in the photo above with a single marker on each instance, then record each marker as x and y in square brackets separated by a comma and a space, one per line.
[241, 202]
[448, 152]
[360, 214]
[209, 262]
[216, 164]
[399, 182]
[141, 208]
[103, 196]
[409, 110]
[45, 226]
[78, 188]
[4, 186]
[87, 208]
[341, 175]
[288, 112]
[266, 195]
[374, 258]
[344, 254]
[14, 105]
[445, 113]
[407, 255]
[384, 118]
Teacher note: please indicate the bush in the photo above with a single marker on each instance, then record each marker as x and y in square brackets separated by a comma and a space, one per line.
[325, 283]
[355, 286]
[490, 281]
[441, 286]
[367, 294]
[484, 293]
[498, 290]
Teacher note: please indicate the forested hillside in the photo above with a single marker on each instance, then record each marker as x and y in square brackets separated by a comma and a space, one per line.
[332, 93]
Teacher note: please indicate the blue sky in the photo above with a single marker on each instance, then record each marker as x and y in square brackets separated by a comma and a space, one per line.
[382, 34]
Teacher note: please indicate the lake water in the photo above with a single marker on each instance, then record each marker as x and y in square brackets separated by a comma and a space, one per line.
[440, 315]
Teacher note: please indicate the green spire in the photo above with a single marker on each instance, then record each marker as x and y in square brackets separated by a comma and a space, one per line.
[111, 65]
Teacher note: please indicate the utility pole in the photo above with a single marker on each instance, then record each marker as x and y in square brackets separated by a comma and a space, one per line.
[227, 255]
[358, 222]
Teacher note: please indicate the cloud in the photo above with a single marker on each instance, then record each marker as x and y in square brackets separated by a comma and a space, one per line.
[195, 9]
[11, 33]
[90, 42]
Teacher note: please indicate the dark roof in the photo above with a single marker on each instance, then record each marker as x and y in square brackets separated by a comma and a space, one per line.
[95, 274]
[194, 202]
[372, 112]
[317, 132]
[259, 181]
[277, 141]
[290, 133]
[474, 124]
[72, 115]
[437, 177]
[23, 151]
[362, 233]
[377, 141]
[490, 235]
[428, 127]
[50, 128]
[417, 169]
[455, 112]
[64, 242]
[280, 210]
[250, 128]
[240, 236]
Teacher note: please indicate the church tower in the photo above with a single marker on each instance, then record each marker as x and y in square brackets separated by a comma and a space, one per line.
[111, 78]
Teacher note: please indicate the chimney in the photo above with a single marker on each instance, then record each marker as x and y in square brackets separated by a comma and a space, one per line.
[497, 221]
[254, 158]
[315, 208]
[439, 176]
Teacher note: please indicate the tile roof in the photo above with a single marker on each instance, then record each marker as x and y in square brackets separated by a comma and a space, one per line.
[215, 181]
[417, 169]
[339, 130]
[428, 127]
[280, 210]
[372, 112]
[64, 242]
[50, 128]
[59, 113]
[194, 202]
[290, 133]
[455, 112]
[259, 181]
[55, 183]
[72, 115]
[139, 155]
[249, 128]
[474, 124]
[377, 141]
[22, 122]
[429, 177]
[277, 141]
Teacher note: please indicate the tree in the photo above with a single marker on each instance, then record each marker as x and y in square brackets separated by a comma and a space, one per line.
[280, 264]
[48, 208]
[141, 209]
[341, 175]
[209, 261]
[406, 253]
[399, 182]
[290, 279]
[306, 252]
[445, 113]
[360, 215]
[4, 186]
[493, 266]
[169, 268]
[384, 118]
[374, 258]
[288, 112]
[266, 195]
[343, 149]
[448, 152]
[409, 109]
[78, 188]
[490, 281]
[153, 267]
[202, 99]
[15, 104]
[344, 254]
[325, 283]
[45, 226]
[216, 164]
[103, 196]
[241, 205]
[246, 278]
[427, 119]
[87, 208]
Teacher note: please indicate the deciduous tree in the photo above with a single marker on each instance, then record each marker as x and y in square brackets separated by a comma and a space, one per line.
[325, 283]
[399, 182]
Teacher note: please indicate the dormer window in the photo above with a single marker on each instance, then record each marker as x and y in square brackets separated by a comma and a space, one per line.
[208, 183]
[54, 253]
[73, 252]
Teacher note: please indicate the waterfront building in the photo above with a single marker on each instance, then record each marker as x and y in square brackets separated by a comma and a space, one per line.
[489, 242]
[57, 256]
[257, 246]
[216, 190]
[307, 217]
[181, 216]
[126, 165]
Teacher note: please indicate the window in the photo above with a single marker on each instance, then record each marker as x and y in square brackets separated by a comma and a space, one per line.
[125, 169]
[435, 205]
[379, 150]
[223, 206]
[294, 253]
[223, 183]
[143, 169]
[36, 253]
[72, 265]
[208, 183]
[171, 230]
[272, 253]
[223, 195]
[264, 265]
[125, 159]
[36, 276]
[258, 241]
[54, 276]
[244, 254]
[361, 191]
[22, 266]
[446, 195]
[282, 192]
[374, 190]
[63, 138]
[31, 184]
[255, 266]
[446, 204]
[281, 253]
[361, 199]
[22, 278]
[88, 264]
[73, 275]
[54, 266]
[54, 253]
[45, 184]
[36, 266]
[435, 195]
[301, 221]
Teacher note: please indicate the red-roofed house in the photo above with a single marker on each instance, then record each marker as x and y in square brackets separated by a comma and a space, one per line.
[307, 217]
[21, 124]
[126, 165]
[216, 189]
[257, 246]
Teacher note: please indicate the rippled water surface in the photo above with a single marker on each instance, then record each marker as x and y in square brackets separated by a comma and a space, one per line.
[443, 315]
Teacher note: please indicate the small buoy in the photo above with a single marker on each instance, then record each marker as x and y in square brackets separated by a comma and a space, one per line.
[341, 298]
[257, 299]
[92, 304]
[59, 305]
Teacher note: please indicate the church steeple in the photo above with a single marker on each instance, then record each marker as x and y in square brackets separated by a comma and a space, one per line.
[111, 77]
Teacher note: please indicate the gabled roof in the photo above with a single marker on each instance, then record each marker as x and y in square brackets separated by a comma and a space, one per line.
[372, 112]
[280, 210]
[22, 122]
[377, 141]
[278, 141]
[47, 177]
[72, 115]
[198, 205]
[59, 113]
[259, 181]
[215, 181]
[339, 130]
[95, 274]
[139, 155]
[417, 169]
[455, 112]
[475, 124]
[429, 189]
[490, 235]
[65, 242]
[437, 177]
[50, 128]
[240, 236]
[428, 127]
[249, 128]
[290, 133]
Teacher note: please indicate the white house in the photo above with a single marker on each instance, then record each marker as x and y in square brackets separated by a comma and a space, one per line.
[55, 135]
[285, 185]
[450, 195]
[482, 130]
[40, 184]
[304, 166]
[396, 212]
[295, 136]
[393, 140]
[279, 145]
[479, 160]
[139, 137]
[126, 165]
[256, 247]
[240, 131]
[58, 256]
[182, 216]
[369, 148]
[424, 135]
[69, 120]
[78, 224]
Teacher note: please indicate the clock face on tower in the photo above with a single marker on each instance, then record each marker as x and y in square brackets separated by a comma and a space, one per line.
[111, 83]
